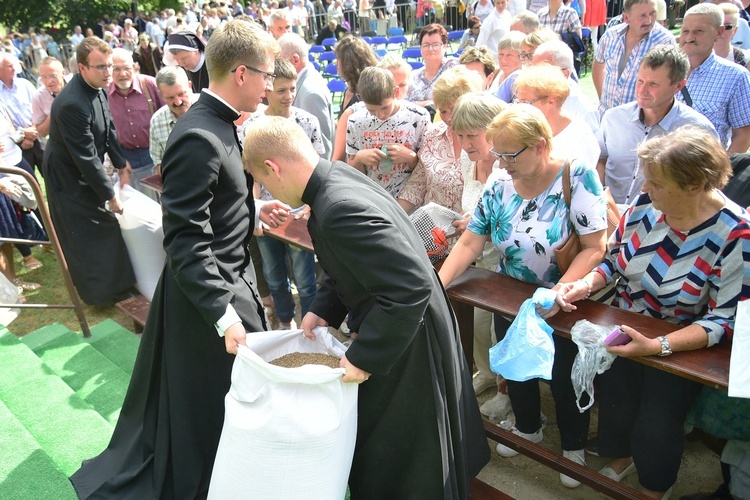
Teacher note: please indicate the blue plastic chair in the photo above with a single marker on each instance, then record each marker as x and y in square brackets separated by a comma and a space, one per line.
[328, 43]
[327, 57]
[395, 32]
[316, 66]
[317, 49]
[397, 42]
[454, 37]
[331, 71]
[379, 41]
[412, 53]
[336, 85]
[416, 64]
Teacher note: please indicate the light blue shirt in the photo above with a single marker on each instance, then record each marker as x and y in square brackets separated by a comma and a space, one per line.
[720, 91]
[17, 100]
[621, 132]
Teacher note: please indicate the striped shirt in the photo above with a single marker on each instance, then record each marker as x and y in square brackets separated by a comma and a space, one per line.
[694, 277]
[566, 20]
[619, 88]
[720, 91]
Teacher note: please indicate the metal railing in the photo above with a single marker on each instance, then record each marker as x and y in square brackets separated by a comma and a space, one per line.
[54, 242]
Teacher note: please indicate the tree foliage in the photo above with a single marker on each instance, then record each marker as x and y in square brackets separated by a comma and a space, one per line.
[19, 15]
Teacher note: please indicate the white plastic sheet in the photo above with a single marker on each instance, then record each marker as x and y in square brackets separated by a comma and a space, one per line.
[140, 224]
[289, 433]
[739, 361]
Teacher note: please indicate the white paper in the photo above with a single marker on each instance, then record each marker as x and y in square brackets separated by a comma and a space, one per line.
[739, 362]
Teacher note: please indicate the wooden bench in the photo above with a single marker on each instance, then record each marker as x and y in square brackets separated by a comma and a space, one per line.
[136, 308]
[504, 295]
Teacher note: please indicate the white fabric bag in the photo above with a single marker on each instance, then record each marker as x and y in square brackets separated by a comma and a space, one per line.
[288, 433]
[739, 361]
[140, 225]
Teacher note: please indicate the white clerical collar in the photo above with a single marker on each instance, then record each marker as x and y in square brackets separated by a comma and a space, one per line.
[221, 99]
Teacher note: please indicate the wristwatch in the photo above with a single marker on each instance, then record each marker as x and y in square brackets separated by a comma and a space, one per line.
[666, 350]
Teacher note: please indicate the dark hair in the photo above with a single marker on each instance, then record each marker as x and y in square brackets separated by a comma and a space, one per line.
[87, 45]
[670, 55]
[353, 55]
[473, 21]
[432, 29]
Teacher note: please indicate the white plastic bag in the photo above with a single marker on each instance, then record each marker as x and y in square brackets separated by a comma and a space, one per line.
[140, 225]
[592, 358]
[288, 433]
[739, 361]
[8, 295]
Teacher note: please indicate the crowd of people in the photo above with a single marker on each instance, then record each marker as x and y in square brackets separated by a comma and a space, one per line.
[494, 133]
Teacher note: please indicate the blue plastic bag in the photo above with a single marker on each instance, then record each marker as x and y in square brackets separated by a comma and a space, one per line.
[527, 351]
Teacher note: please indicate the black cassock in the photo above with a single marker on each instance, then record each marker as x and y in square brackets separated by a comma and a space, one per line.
[81, 132]
[420, 434]
[166, 438]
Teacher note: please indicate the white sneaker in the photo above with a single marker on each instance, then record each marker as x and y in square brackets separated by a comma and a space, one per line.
[482, 382]
[506, 452]
[496, 409]
[578, 457]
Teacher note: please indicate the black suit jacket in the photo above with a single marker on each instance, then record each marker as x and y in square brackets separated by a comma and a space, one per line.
[419, 434]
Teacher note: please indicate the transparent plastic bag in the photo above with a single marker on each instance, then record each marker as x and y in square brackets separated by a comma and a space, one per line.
[527, 351]
[592, 358]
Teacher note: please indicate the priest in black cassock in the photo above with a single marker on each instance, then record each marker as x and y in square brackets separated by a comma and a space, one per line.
[420, 434]
[168, 431]
[81, 132]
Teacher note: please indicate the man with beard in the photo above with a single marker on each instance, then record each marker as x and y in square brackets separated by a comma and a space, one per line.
[621, 49]
[419, 432]
[133, 100]
[168, 431]
[174, 86]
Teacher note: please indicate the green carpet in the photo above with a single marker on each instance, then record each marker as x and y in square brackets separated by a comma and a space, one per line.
[95, 378]
[119, 345]
[26, 471]
[63, 424]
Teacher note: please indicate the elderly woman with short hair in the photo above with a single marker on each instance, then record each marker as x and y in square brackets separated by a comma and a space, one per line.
[437, 177]
[523, 212]
[546, 88]
[433, 41]
[677, 255]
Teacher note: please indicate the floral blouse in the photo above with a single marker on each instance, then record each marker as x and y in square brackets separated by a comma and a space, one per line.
[420, 88]
[526, 232]
[437, 177]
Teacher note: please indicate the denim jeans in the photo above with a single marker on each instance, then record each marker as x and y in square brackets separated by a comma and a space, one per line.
[276, 257]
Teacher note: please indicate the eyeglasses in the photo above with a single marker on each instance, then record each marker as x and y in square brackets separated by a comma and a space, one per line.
[516, 100]
[267, 77]
[526, 55]
[431, 46]
[729, 27]
[507, 157]
[123, 69]
[102, 67]
[50, 77]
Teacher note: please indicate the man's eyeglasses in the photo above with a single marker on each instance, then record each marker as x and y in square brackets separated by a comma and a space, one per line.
[123, 69]
[51, 77]
[267, 77]
[431, 46]
[507, 157]
[102, 67]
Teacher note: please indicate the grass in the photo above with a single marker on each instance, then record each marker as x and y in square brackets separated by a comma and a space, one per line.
[53, 291]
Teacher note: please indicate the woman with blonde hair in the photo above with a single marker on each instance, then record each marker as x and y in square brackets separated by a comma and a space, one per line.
[523, 212]
[546, 88]
[437, 177]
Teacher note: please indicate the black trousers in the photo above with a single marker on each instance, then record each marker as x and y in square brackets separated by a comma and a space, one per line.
[34, 157]
[642, 414]
[526, 400]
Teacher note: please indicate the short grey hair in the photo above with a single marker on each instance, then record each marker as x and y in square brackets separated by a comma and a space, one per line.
[292, 43]
[122, 54]
[707, 9]
[475, 111]
[559, 53]
[170, 75]
[280, 15]
[528, 19]
[670, 56]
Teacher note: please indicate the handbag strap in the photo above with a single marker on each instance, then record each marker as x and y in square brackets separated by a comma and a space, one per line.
[566, 183]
